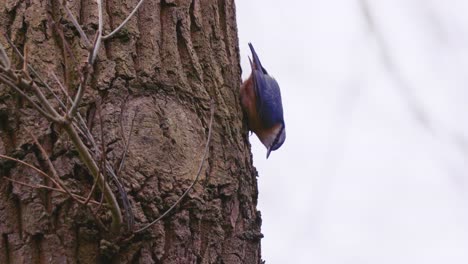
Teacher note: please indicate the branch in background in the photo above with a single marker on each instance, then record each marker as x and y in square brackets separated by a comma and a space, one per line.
[414, 105]
[196, 178]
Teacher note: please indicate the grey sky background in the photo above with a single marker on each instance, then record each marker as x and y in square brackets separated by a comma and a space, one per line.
[374, 167]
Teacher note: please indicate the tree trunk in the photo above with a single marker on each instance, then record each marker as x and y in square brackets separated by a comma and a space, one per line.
[160, 72]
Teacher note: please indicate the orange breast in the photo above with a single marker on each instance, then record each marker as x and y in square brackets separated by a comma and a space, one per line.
[248, 101]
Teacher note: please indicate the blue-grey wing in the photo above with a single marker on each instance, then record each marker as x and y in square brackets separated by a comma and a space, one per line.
[269, 104]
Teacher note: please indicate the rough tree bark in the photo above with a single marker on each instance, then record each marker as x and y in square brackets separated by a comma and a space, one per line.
[162, 70]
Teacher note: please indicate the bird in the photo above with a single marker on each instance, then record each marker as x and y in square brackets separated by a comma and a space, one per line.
[260, 98]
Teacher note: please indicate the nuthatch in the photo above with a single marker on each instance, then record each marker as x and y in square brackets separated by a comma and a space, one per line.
[261, 100]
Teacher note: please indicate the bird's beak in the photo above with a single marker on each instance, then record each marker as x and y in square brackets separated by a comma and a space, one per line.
[268, 152]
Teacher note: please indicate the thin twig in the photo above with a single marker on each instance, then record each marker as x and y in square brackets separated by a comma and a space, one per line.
[62, 104]
[196, 178]
[81, 124]
[38, 92]
[85, 76]
[126, 203]
[122, 110]
[77, 25]
[97, 42]
[90, 163]
[415, 106]
[96, 217]
[62, 88]
[78, 97]
[45, 156]
[69, 100]
[40, 186]
[27, 165]
[4, 58]
[61, 188]
[42, 99]
[25, 64]
[103, 152]
[127, 144]
[28, 84]
[8, 82]
[124, 22]
[88, 198]
[100, 203]
[50, 113]
[96, 49]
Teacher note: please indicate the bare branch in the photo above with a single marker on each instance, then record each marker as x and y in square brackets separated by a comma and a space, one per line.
[97, 45]
[49, 112]
[27, 165]
[4, 58]
[45, 156]
[88, 198]
[84, 130]
[90, 163]
[100, 17]
[97, 42]
[127, 144]
[62, 104]
[405, 89]
[81, 123]
[70, 100]
[82, 127]
[30, 85]
[126, 203]
[103, 152]
[8, 82]
[77, 25]
[79, 95]
[45, 175]
[25, 64]
[196, 178]
[29, 66]
[40, 186]
[110, 35]
[62, 88]
[87, 68]
[42, 99]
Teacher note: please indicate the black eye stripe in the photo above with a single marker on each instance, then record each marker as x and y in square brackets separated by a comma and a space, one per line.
[277, 136]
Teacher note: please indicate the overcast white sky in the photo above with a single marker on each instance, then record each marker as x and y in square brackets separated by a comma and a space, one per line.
[375, 165]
